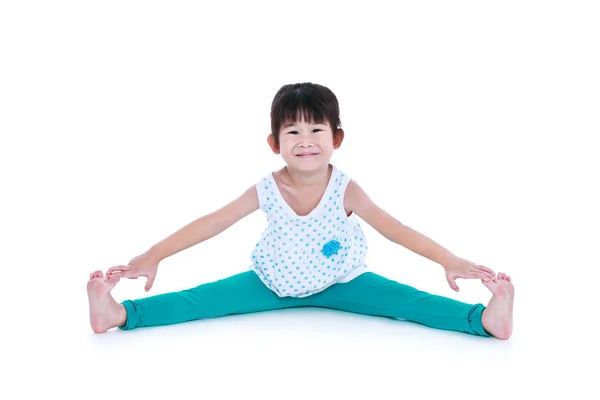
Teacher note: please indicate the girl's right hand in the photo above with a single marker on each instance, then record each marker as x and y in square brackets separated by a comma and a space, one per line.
[146, 264]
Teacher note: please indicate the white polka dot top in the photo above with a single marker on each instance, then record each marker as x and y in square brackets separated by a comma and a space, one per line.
[298, 256]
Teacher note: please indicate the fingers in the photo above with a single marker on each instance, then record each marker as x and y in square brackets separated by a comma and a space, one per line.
[121, 269]
[118, 268]
[491, 273]
[452, 283]
[113, 280]
[149, 282]
[489, 276]
[124, 274]
[483, 276]
[484, 268]
[479, 274]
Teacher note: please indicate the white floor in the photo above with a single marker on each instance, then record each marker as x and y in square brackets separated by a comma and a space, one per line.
[305, 352]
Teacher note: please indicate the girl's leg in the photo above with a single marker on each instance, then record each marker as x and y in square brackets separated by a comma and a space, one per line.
[237, 294]
[373, 294]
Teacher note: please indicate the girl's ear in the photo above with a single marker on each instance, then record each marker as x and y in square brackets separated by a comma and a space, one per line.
[338, 138]
[271, 141]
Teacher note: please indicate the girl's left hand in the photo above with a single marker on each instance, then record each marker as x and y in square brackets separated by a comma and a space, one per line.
[457, 267]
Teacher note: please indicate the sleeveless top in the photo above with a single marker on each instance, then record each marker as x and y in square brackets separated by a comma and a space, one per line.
[298, 256]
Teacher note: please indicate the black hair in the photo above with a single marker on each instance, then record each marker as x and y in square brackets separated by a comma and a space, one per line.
[309, 101]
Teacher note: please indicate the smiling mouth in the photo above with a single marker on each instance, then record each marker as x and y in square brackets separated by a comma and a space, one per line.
[307, 155]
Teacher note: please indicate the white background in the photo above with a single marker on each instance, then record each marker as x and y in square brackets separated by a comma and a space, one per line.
[472, 122]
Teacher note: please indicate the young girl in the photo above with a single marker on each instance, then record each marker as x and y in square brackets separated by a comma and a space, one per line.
[312, 252]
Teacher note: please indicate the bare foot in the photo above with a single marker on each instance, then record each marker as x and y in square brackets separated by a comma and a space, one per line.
[105, 312]
[497, 318]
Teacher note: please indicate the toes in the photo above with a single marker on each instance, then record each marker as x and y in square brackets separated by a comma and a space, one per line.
[503, 276]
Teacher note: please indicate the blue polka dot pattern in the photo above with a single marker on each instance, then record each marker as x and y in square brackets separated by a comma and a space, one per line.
[298, 256]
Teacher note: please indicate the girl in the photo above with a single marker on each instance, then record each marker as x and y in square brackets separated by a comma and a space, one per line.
[312, 252]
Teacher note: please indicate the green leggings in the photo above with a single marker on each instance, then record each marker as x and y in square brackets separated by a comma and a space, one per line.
[368, 293]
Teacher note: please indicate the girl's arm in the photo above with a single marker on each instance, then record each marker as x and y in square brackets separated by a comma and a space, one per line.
[207, 226]
[357, 201]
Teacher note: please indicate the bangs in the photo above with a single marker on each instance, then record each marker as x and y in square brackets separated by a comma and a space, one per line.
[299, 107]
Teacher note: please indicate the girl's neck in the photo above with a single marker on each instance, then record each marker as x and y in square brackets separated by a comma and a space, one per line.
[308, 179]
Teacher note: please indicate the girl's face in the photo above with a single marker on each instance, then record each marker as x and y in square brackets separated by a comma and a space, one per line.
[306, 146]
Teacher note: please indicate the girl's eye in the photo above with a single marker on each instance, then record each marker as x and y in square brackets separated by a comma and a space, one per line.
[297, 131]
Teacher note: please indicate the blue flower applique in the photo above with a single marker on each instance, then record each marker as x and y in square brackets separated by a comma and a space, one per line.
[331, 248]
